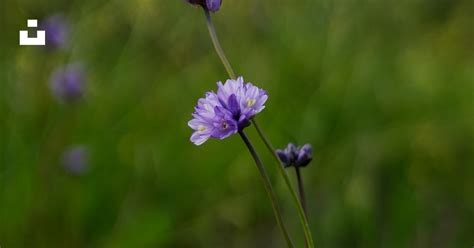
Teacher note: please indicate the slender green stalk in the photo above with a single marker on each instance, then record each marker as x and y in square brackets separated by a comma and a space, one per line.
[217, 45]
[301, 190]
[301, 212]
[299, 178]
[230, 71]
[268, 188]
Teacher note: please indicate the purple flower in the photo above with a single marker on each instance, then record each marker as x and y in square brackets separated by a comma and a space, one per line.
[288, 155]
[211, 5]
[67, 83]
[295, 156]
[225, 113]
[75, 160]
[305, 155]
[57, 31]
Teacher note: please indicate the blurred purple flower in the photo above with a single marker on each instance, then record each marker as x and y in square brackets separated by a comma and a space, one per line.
[295, 156]
[57, 31]
[225, 113]
[211, 5]
[67, 83]
[75, 160]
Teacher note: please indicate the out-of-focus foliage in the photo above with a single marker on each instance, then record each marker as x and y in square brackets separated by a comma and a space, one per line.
[383, 90]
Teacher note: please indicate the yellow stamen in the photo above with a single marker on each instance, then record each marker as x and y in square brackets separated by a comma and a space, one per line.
[208, 107]
[250, 102]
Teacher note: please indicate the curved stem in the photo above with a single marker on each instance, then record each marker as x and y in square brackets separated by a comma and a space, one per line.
[268, 188]
[301, 213]
[217, 45]
[230, 71]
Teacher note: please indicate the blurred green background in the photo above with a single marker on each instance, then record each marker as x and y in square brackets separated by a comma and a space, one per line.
[383, 90]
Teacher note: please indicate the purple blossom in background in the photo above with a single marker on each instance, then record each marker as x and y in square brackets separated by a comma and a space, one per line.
[295, 156]
[67, 83]
[75, 160]
[211, 5]
[57, 31]
[225, 113]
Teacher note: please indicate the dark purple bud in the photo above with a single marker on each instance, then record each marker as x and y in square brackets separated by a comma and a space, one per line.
[284, 158]
[288, 155]
[292, 152]
[57, 31]
[211, 5]
[304, 156]
[67, 83]
[75, 160]
[293, 156]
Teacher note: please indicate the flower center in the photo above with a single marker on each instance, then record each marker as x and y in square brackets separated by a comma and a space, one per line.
[224, 125]
[250, 102]
[201, 128]
[208, 107]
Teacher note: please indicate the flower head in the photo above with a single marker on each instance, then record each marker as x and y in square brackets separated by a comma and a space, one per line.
[295, 156]
[57, 31]
[219, 115]
[75, 160]
[211, 5]
[67, 83]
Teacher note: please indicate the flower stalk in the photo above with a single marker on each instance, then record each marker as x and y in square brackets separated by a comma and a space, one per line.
[302, 196]
[299, 207]
[217, 44]
[230, 71]
[268, 188]
[299, 178]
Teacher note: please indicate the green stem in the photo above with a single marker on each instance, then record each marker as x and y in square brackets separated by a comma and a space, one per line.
[230, 71]
[301, 213]
[299, 178]
[301, 192]
[268, 188]
[217, 45]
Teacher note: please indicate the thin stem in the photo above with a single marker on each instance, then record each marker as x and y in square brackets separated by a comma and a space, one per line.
[301, 190]
[268, 188]
[217, 45]
[301, 213]
[230, 71]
